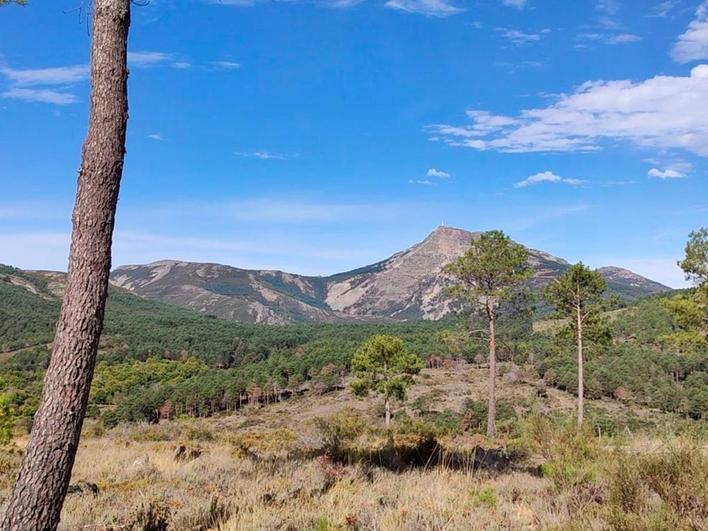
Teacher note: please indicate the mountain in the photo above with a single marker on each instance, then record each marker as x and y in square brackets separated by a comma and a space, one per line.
[408, 285]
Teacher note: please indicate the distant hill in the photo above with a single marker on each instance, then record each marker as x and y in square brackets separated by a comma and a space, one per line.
[406, 286]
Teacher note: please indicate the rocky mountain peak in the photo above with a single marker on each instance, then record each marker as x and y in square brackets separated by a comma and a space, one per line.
[408, 285]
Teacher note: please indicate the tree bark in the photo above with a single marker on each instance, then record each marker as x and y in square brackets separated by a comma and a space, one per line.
[45, 471]
[492, 386]
[387, 409]
[581, 383]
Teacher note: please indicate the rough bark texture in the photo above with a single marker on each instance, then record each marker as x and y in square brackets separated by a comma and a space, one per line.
[387, 410]
[492, 385]
[581, 383]
[45, 472]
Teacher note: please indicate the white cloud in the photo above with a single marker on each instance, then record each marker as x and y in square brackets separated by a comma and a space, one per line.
[429, 8]
[662, 9]
[623, 38]
[666, 174]
[263, 155]
[145, 59]
[53, 85]
[663, 112]
[432, 172]
[692, 45]
[226, 65]
[155, 136]
[546, 177]
[518, 37]
[40, 95]
[424, 182]
[612, 39]
[60, 75]
[43, 85]
[515, 3]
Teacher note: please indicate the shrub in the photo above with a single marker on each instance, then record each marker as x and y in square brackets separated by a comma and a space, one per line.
[474, 415]
[571, 456]
[484, 496]
[338, 431]
[203, 517]
[151, 515]
[677, 476]
[271, 445]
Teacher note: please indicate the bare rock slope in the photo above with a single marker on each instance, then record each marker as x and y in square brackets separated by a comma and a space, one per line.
[408, 285]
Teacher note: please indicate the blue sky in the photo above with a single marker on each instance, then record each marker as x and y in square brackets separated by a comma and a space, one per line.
[318, 136]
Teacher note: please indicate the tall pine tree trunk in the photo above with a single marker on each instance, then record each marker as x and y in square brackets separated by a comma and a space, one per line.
[45, 471]
[492, 386]
[581, 383]
[387, 412]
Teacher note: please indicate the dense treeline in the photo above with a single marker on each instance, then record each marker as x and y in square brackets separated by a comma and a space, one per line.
[631, 357]
[160, 360]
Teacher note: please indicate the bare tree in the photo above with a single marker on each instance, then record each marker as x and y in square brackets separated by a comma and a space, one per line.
[45, 472]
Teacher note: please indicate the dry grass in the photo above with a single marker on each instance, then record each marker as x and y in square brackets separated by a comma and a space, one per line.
[259, 470]
[296, 494]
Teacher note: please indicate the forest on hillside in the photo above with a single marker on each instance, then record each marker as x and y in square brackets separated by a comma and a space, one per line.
[154, 354]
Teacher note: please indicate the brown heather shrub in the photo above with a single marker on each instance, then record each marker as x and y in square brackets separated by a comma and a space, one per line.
[151, 515]
[202, 517]
[339, 431]
[179, 430]
[267, 446]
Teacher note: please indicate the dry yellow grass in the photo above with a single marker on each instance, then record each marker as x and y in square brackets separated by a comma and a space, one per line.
[256, 472]
[295, 495]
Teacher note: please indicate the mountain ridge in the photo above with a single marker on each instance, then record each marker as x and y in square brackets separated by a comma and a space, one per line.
[408, 285]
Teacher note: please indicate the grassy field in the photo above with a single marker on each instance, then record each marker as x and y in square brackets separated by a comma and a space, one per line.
[325, 463]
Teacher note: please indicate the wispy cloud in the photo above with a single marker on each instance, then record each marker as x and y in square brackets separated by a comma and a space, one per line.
[145, 59]
[662, 9]
[149, 59]
[546, 177]
[226, 65]
[608, 10]
[429, 8]
[263, 155]
[518, 37]
[60, 75]
[424, 182]
[623, 38]
[55, 85]
[432, 172]
[605, 38]
[55, 97]
[44, 85]
[515, 3]
[665, 112]
[692, 45]
[155, 136]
